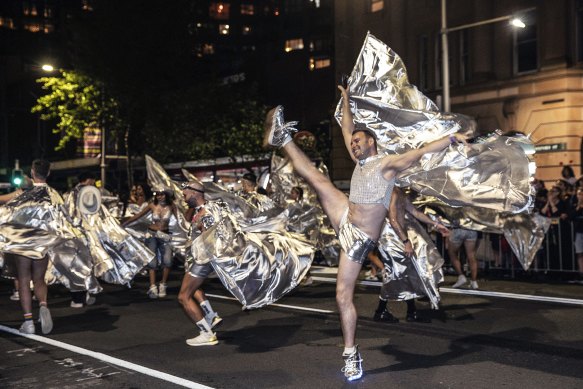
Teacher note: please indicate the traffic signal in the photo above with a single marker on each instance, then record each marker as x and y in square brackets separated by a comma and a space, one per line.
[17, 178]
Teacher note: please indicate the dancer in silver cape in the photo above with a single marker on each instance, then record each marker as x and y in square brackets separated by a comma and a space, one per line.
[358, 220]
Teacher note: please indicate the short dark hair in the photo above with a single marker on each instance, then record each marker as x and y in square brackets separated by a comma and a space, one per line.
[367, 132]
[41, 168]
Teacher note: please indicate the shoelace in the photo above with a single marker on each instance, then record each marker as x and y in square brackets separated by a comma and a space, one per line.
[350, 366]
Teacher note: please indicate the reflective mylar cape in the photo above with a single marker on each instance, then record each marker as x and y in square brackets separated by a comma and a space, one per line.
[405, 278]
[257, 260]
[524, 232]
[178, 227]
[493, 174]
[35, 225]
[116, 255]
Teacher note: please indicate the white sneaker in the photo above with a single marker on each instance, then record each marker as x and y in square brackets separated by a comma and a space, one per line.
[461, 281]
[76, 305]
[15, 296]
[46, 321]
[215, 321]
[27, 327]
[89, 299]
[204, 339]
[153, 292]
[162, 290]
[474, 285]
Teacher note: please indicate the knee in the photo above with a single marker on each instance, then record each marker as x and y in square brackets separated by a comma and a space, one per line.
[183, 298]
[343, 297]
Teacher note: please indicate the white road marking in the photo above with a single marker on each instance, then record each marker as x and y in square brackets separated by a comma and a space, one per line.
[296, 307]
[485, 293]
[106, 358]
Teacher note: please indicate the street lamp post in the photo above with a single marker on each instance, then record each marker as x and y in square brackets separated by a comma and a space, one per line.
[514, 21]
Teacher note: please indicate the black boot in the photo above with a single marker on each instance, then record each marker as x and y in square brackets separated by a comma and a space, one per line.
[385, 316]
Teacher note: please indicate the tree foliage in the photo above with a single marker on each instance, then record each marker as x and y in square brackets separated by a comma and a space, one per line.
[76, 102]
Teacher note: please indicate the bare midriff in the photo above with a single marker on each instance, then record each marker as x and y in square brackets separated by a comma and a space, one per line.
[369, 218]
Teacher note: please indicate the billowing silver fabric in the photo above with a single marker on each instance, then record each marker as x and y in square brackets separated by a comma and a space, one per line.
[257, 260]
[524, 232]
[178, 226]
[35, 225]
[257, 267]
[406, 278]
[492, 174]
[117, 256]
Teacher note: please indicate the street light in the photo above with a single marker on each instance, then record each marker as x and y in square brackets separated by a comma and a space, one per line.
[514, 21]
[47, 67]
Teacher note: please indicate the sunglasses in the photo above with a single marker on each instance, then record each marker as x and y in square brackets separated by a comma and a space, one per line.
[185, 186]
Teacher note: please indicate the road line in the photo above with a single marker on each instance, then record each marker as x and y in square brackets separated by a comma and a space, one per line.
[296, 307]
[558, 300]
[106, 358]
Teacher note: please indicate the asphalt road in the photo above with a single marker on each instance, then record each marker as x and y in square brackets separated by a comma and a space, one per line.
[128, 341]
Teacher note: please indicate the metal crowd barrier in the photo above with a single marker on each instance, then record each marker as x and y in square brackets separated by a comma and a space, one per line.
[556, 254]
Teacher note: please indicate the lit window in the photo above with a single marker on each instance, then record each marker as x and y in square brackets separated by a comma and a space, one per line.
[219, 11]
[320, 63]
[247, 9]
[26, 8]
[48, 12]
[32, 27]
[48, 28]
[208, 48]
[294, 44]
[33, 11]
[376, 5]
[246, 30]
[224, 29]
[86, 6]
[276, 11]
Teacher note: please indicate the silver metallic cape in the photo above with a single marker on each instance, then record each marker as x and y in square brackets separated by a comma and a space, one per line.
[493, 174]
[178, 227]
[524, 232]
[405, 278]
[35, 225]
[256, 264]
[257, 260]
[116, 255]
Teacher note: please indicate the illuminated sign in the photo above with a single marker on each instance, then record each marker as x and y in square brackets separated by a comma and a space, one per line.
[551, 148]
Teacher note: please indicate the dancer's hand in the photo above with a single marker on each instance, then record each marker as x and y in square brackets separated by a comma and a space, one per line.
[344, 92]
[408, 249]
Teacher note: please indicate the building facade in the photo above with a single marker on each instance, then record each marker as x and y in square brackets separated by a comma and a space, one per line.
[512, 79]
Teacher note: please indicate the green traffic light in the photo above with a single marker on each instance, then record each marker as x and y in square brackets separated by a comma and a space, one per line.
[17, 181]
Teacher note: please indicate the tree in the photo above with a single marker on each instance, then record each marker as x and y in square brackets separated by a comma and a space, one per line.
[77, 102]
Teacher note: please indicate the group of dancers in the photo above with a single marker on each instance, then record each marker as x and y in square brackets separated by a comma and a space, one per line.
[405, 142]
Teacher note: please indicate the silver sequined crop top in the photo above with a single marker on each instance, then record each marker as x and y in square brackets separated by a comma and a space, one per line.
[368, 186]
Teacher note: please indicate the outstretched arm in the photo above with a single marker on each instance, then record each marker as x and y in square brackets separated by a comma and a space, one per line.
[347, 120]
[393, 164]
[137, 216]
[423, 218]
[9, 196]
